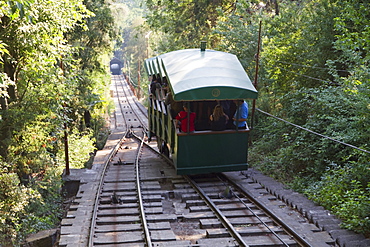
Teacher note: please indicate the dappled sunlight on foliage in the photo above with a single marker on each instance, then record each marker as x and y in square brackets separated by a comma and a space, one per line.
[14, 199]
[54, 81]
[81, 146]
[314, 72]
[342, 192]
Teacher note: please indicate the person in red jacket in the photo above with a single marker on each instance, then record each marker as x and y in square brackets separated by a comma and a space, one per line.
[183, 120]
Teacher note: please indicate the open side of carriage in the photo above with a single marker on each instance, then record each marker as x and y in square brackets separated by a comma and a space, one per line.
[200, 79]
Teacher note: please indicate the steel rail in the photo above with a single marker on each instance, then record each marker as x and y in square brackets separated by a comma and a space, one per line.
[138, 187]
[135, 99]
[254, 214]
[148, 239]
[120, 105]
[101, 181]
[124, 91]
[105, 165]
[225, 222]
[301, 241]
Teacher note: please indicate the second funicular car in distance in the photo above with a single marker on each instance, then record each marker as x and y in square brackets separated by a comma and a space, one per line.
[199, 79]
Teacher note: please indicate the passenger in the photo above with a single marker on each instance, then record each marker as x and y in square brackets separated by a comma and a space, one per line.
[203, 110]
[165, 86]
[218, 118]
[153, 86]
[175, 106]
[182, 120]
[241, 114]
[226, 105]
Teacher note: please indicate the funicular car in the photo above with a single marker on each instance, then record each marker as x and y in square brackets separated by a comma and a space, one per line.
[199, 79]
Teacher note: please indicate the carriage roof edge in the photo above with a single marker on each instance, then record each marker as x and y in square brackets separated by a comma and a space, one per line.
[148, 67]
[193, 74]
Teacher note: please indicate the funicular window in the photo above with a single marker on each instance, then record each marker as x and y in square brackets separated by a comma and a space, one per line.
[204, 109]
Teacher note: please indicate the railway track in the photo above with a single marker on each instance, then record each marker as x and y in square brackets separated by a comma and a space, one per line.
[242, 218]
[142, 202]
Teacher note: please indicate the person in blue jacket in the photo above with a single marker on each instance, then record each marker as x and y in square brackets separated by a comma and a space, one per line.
[241, 114]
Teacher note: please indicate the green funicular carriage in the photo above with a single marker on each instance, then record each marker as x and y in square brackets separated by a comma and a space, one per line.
[199, 78]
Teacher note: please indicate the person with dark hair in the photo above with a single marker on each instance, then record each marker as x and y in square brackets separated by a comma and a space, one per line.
[154, 85]
[175, 106]
[186, 120]
[218, 118]
[241, 114]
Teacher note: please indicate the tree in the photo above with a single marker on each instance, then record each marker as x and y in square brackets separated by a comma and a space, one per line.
[185, 23]
[48, 81]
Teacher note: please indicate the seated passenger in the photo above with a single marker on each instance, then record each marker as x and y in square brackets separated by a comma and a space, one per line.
[182, 120]
[218, 118]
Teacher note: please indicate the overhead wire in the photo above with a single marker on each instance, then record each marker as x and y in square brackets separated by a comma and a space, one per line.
[318, 79]
[313, 132]
[308, 130]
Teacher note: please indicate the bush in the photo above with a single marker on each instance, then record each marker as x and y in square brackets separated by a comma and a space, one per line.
[80, 147]
[334, 175]
[342, 190]
[14, 198]
[45, 211]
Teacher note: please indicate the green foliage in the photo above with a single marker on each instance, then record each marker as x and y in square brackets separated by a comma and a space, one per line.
[14, 198]
[342, 192]
[242, 40]
[53, 79]
[298, 43]
[101, 132]
[94, 39]
[46, 211]
[16, 9]
[316, 75]
[352, 41]
[185, 23]
[81, 147]
[328, 111]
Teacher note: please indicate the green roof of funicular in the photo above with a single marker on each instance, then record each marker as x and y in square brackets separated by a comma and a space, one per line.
[203, 75]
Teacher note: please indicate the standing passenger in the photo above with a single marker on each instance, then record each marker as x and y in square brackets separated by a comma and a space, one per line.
[241, 114]
[218, 118]
[175, 106]
[154, 85]
[182, 119]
